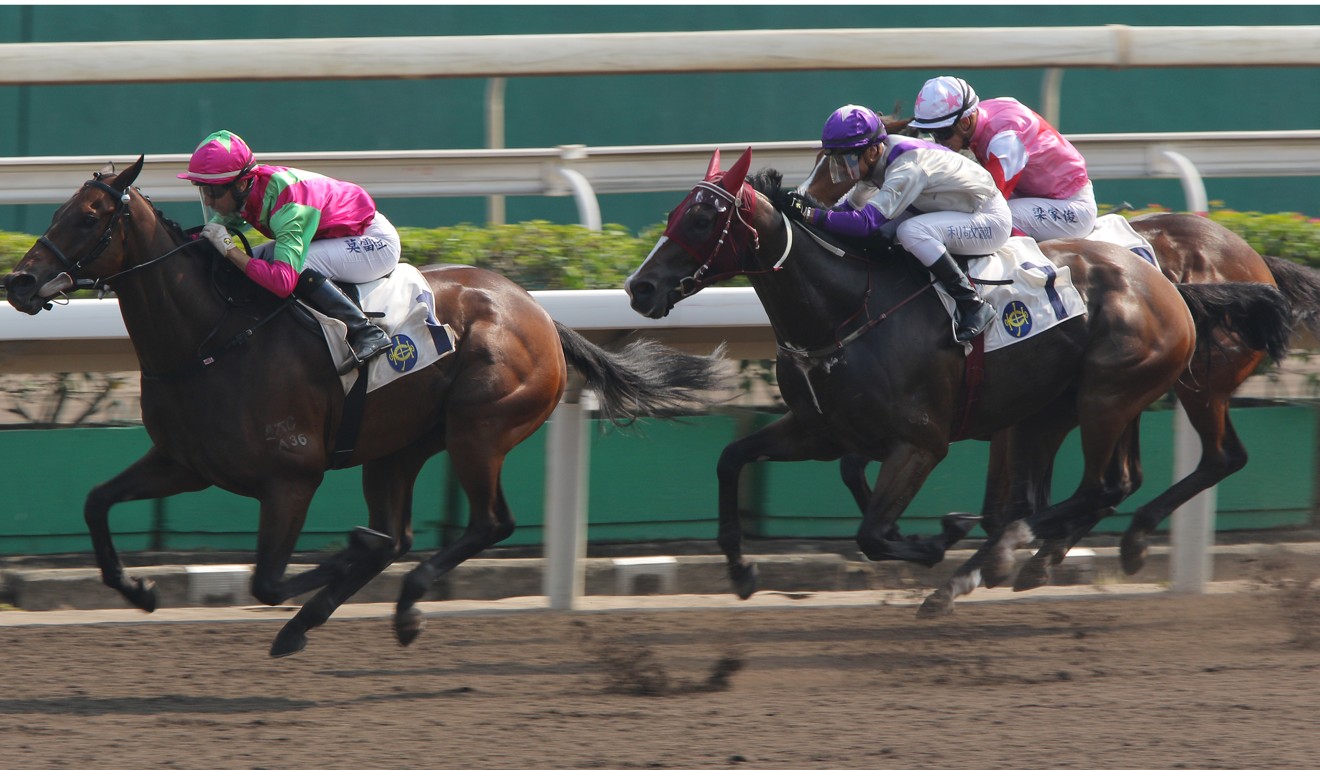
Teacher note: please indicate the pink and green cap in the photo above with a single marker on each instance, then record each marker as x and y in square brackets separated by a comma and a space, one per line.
[221, 158]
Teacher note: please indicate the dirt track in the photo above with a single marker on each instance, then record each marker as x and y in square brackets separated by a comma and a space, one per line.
[1226, 681]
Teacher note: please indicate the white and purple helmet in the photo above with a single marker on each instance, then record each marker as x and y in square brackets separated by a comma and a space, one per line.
[851, 127]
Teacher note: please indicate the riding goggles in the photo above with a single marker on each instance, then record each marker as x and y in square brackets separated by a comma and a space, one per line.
[845, 166]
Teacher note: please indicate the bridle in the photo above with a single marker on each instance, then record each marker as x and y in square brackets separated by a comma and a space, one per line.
[723, 255]
[122, 211]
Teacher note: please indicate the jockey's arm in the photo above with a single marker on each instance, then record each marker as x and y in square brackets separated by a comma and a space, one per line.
[1006, 159]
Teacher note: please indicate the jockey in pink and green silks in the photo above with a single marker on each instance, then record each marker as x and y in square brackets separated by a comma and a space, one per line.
[320, 228]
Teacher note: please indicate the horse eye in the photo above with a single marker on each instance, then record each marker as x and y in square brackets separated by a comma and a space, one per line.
[90, 220]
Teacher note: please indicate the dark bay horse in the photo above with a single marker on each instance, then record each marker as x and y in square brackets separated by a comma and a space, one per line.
[867, 364]
[262, 420]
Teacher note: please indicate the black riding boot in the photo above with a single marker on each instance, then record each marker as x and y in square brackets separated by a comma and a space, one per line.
[974, 313]
[364, 338]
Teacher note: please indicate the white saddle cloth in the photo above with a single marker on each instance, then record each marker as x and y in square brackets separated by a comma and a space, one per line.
[409, 307]
[1114, 228]
[1040, 297]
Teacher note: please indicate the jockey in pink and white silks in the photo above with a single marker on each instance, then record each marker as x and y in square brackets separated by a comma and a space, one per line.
[1041, 174]
[932, 201]
[321, 229]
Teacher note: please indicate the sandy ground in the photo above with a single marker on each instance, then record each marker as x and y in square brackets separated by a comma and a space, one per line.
[1143, 680]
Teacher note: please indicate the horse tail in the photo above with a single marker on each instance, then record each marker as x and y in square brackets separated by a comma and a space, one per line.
[645, 379]
[1301, 285]
[1257, 313]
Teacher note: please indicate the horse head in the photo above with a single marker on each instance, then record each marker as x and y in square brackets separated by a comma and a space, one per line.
[84, 243]
[712, 235]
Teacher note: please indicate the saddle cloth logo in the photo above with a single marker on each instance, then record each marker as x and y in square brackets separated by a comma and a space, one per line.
[403, 356]
[1016, 319]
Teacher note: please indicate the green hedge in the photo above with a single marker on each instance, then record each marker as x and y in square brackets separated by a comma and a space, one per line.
[542, 255]
[1289, 235]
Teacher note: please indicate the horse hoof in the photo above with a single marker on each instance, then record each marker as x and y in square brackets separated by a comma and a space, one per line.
[369, 540]
[1132, 552]
[937, 605]
[289, 641]
[925, 553]
[142, 594]
[955, 526]
[1034, 574]
[743, 577]
[408, 625]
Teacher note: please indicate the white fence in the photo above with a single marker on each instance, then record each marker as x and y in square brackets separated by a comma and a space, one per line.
[585, 172]
[1114, 45]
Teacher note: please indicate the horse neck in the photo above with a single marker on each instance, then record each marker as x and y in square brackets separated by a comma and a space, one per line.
[816, 292]
[168, 308]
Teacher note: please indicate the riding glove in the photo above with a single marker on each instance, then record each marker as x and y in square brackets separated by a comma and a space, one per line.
[218, 236]
[798, 208]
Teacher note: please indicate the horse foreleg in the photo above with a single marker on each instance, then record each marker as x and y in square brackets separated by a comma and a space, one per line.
[901, 476]
[784, 440]
[388, 484]
[153, 476]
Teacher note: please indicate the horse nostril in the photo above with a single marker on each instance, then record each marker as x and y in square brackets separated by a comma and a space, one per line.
[641, 290]
[20, 284]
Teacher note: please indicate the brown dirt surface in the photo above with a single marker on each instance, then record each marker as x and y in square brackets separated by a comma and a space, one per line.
[1144, 682]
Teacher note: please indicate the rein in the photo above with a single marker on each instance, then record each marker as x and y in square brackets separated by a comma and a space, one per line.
[841, 341]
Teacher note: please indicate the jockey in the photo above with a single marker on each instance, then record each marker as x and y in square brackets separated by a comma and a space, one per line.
[934, 202]
[1043, 176]
[320, 229]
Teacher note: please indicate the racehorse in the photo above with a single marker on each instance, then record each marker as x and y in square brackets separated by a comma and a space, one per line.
[1189, 249]
[867, 364]
[260, 419]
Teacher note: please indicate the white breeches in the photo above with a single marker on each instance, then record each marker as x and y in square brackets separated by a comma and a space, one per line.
[354, 259]
[1043, 218]
[928, 236]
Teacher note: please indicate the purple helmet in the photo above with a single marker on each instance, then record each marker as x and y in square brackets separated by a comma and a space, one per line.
[852, 127]
[221, 158]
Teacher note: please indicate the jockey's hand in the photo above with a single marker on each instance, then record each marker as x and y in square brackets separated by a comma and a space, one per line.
[218, 236]
[798, 208]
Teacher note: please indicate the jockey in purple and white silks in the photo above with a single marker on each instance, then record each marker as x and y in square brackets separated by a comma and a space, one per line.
[321, 229]
[932, 201]
[1041, 174]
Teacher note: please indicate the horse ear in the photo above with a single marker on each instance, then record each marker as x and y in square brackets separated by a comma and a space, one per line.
[130, 174]
[737, 174]
[106, 170]
[714, 167]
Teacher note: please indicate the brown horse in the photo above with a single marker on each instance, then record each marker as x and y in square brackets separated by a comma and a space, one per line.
[1190, 249]
[262, 419]
[867, 365]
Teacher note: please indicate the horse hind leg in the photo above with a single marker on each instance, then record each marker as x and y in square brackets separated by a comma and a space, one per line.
[478, 470]
[1222, 455]
[153, 476]
[1122, 478]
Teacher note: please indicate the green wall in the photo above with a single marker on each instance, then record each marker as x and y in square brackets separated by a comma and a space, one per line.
[652, 484]
[617, 110]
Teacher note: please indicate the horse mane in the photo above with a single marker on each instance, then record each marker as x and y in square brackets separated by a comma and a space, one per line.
[770, 183]
[174, 228]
